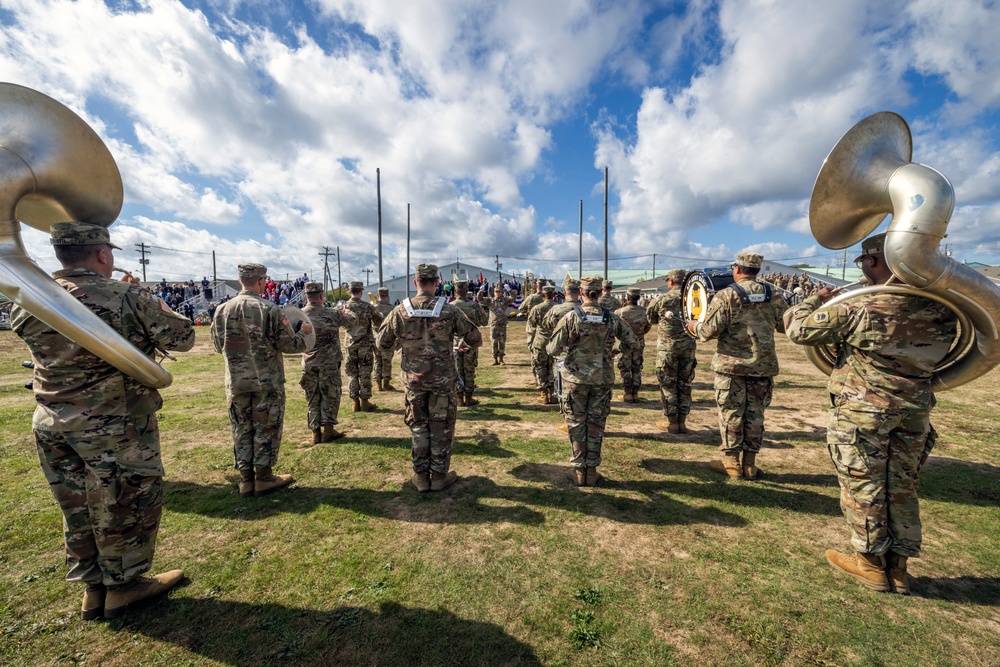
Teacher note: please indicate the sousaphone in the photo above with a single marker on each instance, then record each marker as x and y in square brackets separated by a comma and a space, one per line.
[869, 176]
[54, 168]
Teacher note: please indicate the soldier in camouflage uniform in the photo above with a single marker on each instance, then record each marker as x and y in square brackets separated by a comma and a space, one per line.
[383, 360]
[608, 300]
[251, 333]
[675, 354]
[497, 308]
[630, 361]
[360, 348]
[586, 335]
[571, 289]
[468, 357]
[529, 302]
[745, 362]
[880, 432]
[321, 378]
[423, 328]
[541, 363]
[95, 428]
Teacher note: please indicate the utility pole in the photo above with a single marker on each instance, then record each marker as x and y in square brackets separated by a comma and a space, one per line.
[579, 270]
[654, 265]
[215, 275]
[368, 275]
[326, 266]
[378, 194]
[407, 251]
[605, 223]
[340, 281]
[142, 249]
[843, 265]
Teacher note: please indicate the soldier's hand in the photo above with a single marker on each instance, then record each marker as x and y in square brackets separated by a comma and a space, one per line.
[825, 293]
[307, 328]
[691, 326]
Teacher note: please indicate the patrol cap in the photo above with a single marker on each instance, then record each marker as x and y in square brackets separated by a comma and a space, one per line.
[608, 284]
[873, 245]
[677, 275]
[498, 287]
[549, 289]
[81, 233]
[591, 282]
[461, 284]
[383, 291]
[314, 288]
[539, 281]
[571, 285]
[355, 285]
[750, 260]
[633, 291]
[252, 271]
[425, 271]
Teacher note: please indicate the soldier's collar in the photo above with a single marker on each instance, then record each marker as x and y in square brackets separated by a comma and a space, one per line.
[63, 273]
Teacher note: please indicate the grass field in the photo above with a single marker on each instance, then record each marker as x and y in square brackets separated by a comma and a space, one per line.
[665, 564]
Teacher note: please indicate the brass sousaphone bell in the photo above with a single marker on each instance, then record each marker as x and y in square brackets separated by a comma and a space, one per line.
[54, 168]
[868, 176]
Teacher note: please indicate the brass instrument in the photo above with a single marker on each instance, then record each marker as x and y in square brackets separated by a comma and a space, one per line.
[54, 168]
[867, 176]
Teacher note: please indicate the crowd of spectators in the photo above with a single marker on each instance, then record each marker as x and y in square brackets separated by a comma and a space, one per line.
[795, 287]
[477, 286]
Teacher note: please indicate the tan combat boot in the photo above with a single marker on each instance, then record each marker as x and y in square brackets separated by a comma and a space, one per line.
[93, 602]
[635, 396]
[682, 424]
[866, 568]
[422, 481]
[580, 476]
[670, 425]
[469, 400]
[378, 384]
[593, 477]
[330, 433]
[367, 406]
[139, 592]
[624, 398]
[896, 572]
[564, 427]
[442, 480]
[357, 404]
[386, 384]
[543, 397]
[729, 464]
[317, 436]
[461, 400]
[502, 362]
[267, 482]
[496, 360]
[246, 483]
[750, 469]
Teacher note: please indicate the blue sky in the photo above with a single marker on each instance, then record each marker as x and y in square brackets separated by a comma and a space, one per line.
[254, 128]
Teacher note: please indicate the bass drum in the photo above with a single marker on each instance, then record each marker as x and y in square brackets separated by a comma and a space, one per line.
[698, 290]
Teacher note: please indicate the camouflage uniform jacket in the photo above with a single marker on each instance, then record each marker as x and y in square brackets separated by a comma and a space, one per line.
[472, 310]
[670, 333]
[383, 308]
[635, 317]
[745, 332]
[252, 333]
[326, 323]
[889, 346]
[555, 314]
[529, 302]
[587, 345]
[536, 318]
[362, 332]
[76, 390]
[610, 302]
[497, 308]
[426, 343]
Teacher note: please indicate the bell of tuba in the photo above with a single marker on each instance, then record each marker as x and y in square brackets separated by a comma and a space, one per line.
[868, 176]
[54, 168]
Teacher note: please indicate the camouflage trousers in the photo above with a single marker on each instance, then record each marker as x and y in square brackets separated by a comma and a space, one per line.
[360, 360]
[675, 373]
[257, 419]
[878, 456]
[586, 408]
[498, 337]
[431, 418]
[108, 485]
[466, 367]
[383, 364]
[741, 400]
[630, 367]
[323, 387]
[541, 366]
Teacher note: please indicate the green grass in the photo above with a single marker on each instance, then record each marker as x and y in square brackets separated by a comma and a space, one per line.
[666, 564]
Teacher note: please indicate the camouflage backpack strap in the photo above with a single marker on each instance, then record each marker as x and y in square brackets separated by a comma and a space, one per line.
[424, 312]
[603, 318]
[746, 298]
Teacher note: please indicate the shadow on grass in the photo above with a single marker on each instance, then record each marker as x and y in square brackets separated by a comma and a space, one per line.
[483, 443]
[237, 633]
[983, 591]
